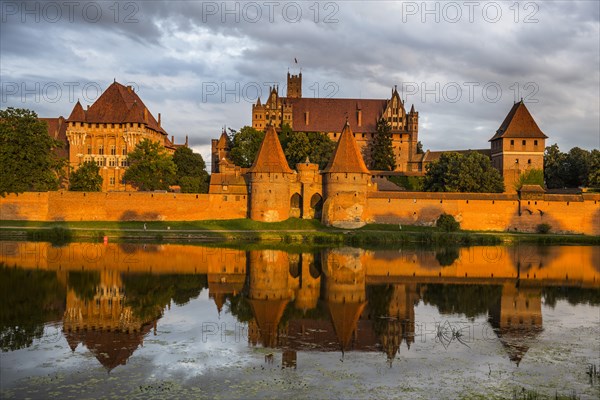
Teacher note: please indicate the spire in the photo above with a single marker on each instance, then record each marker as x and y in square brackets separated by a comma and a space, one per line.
[78, 114]
[347, 157]
[270, 157]
[412, 109]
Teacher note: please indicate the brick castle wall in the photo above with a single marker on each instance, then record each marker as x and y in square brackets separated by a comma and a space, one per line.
[495, 212]
[121, 206]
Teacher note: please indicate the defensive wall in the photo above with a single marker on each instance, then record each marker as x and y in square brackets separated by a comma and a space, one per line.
[121, 206]
[475, 211]
[488, 211]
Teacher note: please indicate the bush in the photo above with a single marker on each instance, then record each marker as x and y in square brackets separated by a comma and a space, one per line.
[543, 228]
[447, 223]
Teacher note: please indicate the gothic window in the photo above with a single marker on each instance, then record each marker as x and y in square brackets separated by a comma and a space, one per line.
[113, 150]
[124, 150]
[89, 149]
[101, 149]
[112, 180]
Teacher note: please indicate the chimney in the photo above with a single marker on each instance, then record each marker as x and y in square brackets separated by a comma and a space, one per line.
[88, 107]
[306, 118]
[359, 117]
[129, 88]
[173, 139]
[186, 140]
[158, 119]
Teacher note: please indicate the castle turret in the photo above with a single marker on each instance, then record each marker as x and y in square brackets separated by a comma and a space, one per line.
[345, 291]
[346, 181]
[269, 293]
[270, 178]
[517, 146]
[294, 86]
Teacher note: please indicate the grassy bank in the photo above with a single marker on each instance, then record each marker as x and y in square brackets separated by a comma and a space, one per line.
[298, 231]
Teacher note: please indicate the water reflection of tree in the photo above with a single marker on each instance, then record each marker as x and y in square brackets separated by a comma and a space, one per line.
[470, 300]
[447, 255]
[28, 300]
[378, 300]
[84, 283]
[148, 294]
[574, 295]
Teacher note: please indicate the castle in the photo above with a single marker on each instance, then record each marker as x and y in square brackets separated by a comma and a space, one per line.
[324, 115]
[338, 194]
[106, 131]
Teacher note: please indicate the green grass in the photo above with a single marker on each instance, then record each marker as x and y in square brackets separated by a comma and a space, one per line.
[291, 231]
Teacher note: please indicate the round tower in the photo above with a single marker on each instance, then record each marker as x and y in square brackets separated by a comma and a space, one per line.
[270, 178]
[346, 181]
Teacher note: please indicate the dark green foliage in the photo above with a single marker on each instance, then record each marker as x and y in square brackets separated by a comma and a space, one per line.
[150, 167]
[594, 176]
[28, 300]
[86, 178]
[27, 161]
[470, 300]
[84, 283]
[379, 298]
[245, 145]
[410, 183]
[555, 167]
[420, 148]
[381, 149]
[576, 168]
[530, 177]
[148, 294]
[543, 228]
[297, 146]
[447, 223]
[454, 172]
[447, 255]
[191, 171]
[574, 295]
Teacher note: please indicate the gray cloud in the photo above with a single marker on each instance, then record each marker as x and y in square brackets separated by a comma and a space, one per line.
[173, 50]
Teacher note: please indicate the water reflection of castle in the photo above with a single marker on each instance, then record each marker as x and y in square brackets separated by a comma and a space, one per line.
[332, 300]
[300, 302]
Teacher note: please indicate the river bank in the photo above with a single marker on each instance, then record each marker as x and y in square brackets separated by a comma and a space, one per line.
[295, 231]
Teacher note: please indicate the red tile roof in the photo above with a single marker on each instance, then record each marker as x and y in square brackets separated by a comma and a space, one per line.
[118, 104]
[270, 157]
[347, 157]
[519, 124]
[78, 113]
[324, 115]
[57, 129]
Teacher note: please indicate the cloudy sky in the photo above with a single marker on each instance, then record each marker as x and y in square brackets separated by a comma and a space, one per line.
[202, 64]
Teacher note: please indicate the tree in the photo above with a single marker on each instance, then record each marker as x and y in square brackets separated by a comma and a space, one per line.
[555, 169]
[191, 171]
[594, 176]
[455, 172]
[86, 178]
[315, 145]
[27, 161]
[150, 167]
[244, 146]
[530, 177]
[578, 167]
[382, 149]
[420, 148]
